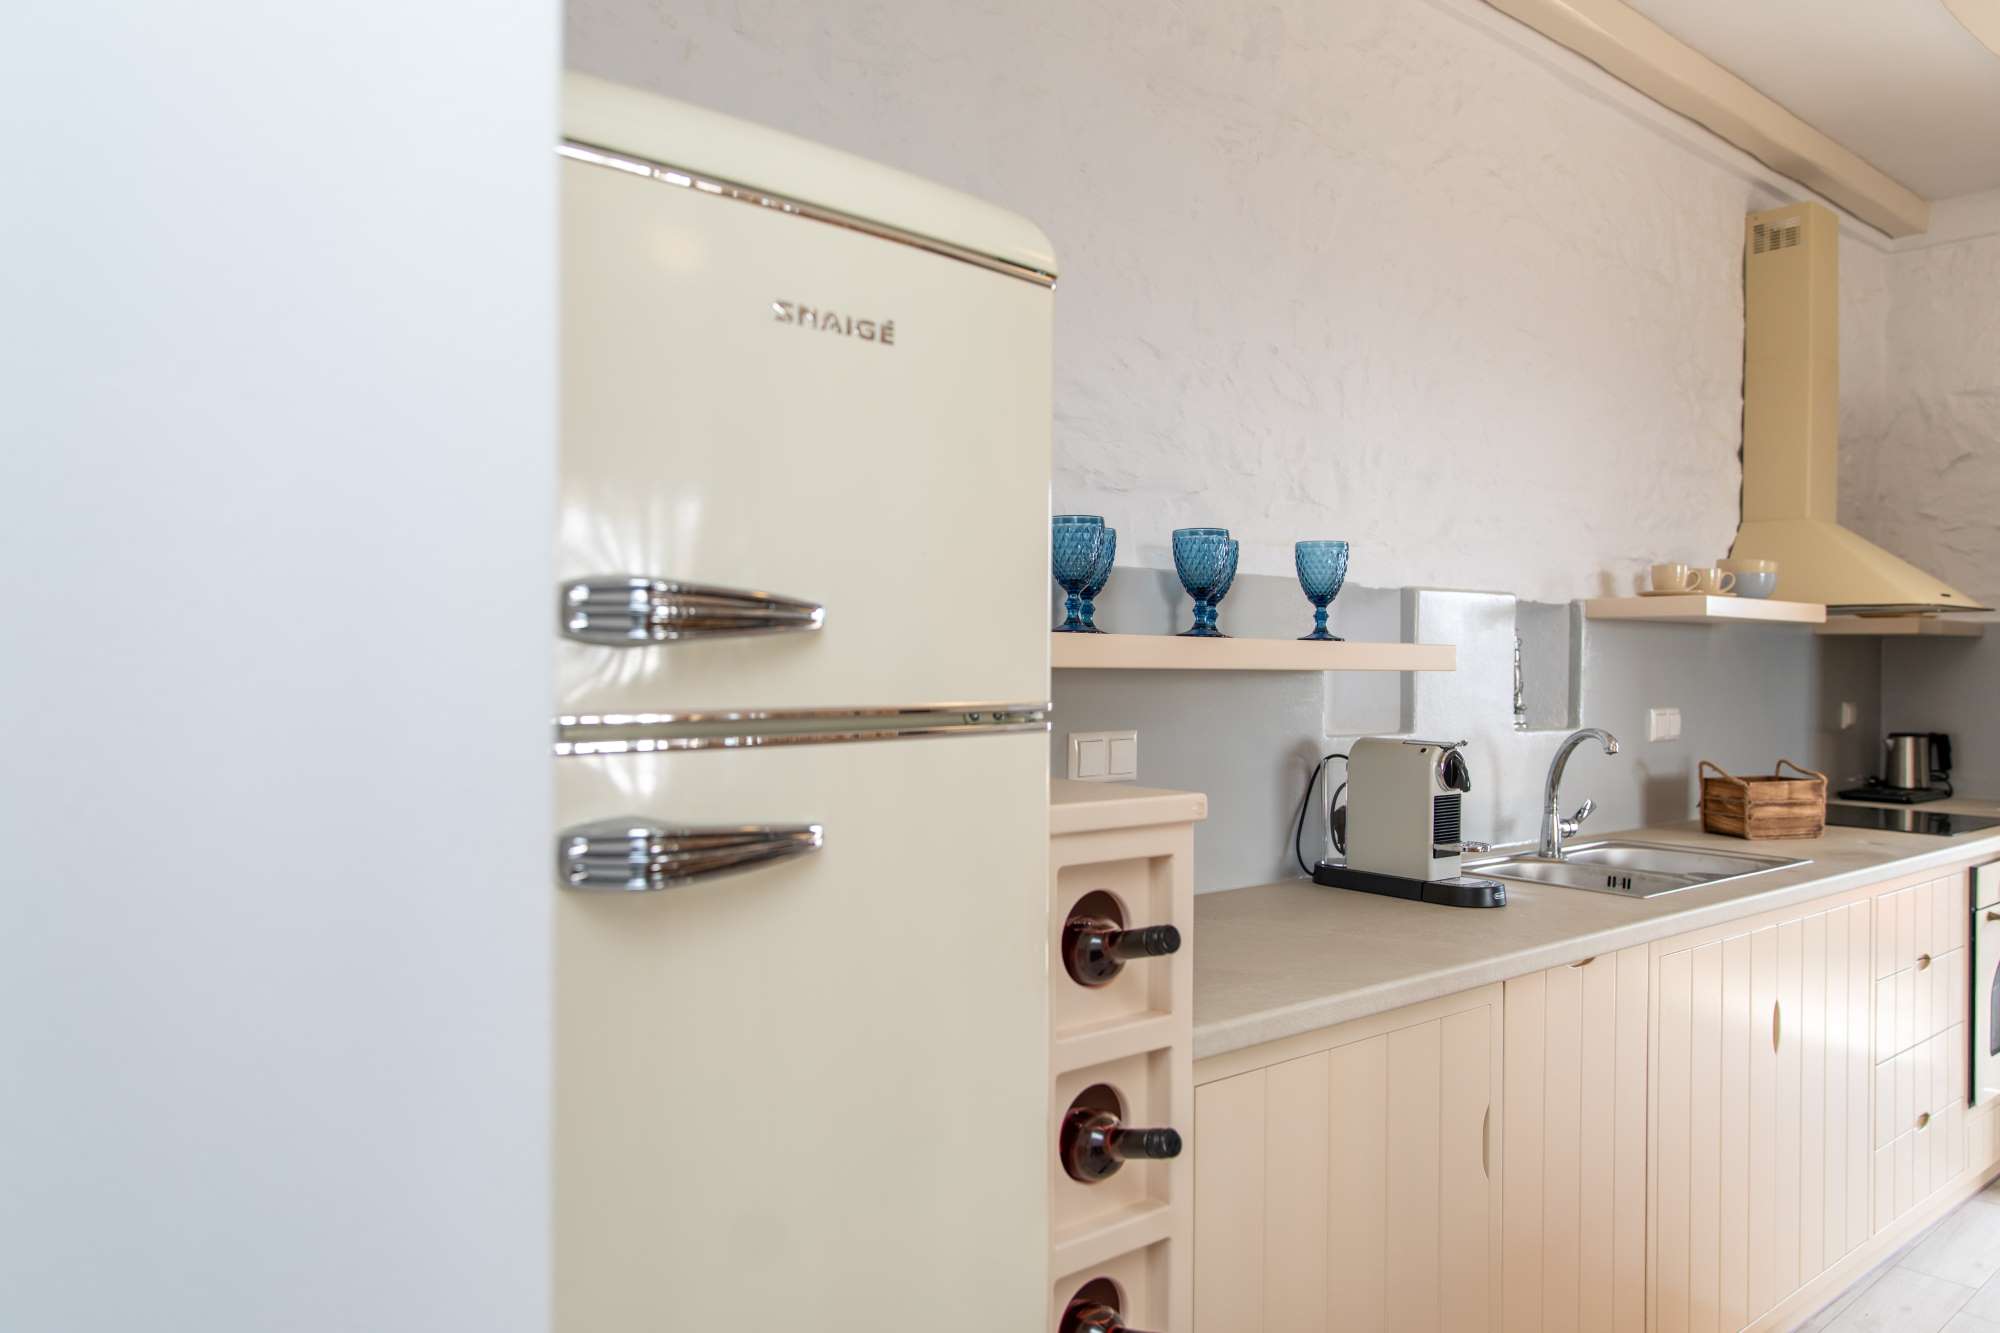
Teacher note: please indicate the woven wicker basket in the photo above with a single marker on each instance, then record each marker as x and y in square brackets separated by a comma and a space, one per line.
[1768, 806]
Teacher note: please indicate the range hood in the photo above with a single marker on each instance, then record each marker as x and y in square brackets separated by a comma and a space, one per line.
[1791, 429]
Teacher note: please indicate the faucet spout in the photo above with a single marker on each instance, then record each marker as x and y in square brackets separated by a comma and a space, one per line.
[1554, 827]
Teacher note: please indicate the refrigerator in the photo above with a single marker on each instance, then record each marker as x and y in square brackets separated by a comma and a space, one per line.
[801, 629]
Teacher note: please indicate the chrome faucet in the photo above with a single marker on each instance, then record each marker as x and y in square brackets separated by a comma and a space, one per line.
[1554, 827]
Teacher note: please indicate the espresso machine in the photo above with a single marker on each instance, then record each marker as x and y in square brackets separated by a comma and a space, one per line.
[1402, 825]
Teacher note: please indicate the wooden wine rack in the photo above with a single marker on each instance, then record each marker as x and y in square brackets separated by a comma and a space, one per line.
[1135, 1034]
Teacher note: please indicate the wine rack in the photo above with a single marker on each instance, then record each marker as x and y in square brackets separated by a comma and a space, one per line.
[1125, 855]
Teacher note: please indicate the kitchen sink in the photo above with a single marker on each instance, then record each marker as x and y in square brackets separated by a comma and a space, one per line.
[1632, 869]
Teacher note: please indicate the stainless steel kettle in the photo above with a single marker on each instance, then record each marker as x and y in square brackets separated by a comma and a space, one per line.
[1917, 759]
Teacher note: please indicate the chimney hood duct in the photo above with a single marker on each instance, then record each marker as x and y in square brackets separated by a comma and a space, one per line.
[1791, 424]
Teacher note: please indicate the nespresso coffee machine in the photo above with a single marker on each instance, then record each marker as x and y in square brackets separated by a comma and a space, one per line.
[1402, 825]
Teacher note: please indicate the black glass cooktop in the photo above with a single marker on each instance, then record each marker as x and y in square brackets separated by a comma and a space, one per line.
[1907, 820]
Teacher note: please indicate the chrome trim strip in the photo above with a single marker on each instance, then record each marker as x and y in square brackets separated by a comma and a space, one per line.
[637, 855]
[592, 155]
[587, 734]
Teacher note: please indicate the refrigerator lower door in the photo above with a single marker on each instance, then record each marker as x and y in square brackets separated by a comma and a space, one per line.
[811, 1095]
[758, 402]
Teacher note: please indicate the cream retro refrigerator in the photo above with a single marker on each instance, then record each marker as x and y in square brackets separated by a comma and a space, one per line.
[801, 859]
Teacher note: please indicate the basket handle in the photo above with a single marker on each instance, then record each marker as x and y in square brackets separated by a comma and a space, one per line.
[1722, 773]
[1801, 768]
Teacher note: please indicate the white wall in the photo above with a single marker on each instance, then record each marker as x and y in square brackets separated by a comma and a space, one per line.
[278, 370]
[1920, 463]
[1400, 273]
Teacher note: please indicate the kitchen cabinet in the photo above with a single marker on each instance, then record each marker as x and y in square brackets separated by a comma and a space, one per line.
[1346, 1181]
[1760, 1110]
[1923, 971]
[1573, 1249]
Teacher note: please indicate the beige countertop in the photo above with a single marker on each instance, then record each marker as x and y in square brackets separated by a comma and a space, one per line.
[1085, 807]
[1274, 960]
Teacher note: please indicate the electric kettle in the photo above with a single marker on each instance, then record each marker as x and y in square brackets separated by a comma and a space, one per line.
[1916, 759]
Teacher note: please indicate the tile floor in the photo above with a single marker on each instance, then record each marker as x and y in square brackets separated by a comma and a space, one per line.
[1945, 1281]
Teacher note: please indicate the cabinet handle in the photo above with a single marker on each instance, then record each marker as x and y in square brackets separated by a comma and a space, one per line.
[1923, 961]
[1923, 1120]
[1777, 1023]
[634, 611]
[1486, 1143]
[1585, 962]
[1993, 916]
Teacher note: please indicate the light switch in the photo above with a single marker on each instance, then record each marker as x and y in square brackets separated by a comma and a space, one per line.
[1849, 714]
[1663, 724]
[1104, 756]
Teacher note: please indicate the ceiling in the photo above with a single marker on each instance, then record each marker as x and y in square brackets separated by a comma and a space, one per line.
[1900, 82]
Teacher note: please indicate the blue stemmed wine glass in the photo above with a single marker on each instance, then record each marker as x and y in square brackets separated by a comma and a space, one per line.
[1199, 560]
[1322, 569]
[1221, 589]
[1077, 539]
[1094, 585]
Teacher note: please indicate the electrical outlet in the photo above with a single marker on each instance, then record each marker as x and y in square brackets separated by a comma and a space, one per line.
[1663, 724]
[1104, 756]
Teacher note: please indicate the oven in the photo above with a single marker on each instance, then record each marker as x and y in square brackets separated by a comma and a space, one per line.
[1985, 983]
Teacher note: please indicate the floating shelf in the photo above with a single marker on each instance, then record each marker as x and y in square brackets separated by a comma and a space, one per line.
[1898, 627]
[1169, 652]
[1701, 609]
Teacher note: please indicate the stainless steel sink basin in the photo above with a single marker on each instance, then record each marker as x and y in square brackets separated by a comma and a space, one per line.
[1632, 869]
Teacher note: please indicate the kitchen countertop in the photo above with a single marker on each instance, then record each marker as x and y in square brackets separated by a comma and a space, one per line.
[1086, 807]
[1274, 960]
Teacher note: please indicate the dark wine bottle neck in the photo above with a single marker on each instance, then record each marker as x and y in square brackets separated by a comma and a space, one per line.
[1142, 1144]
[1143, 942]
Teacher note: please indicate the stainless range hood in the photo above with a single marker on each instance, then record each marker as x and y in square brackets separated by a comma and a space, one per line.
[1791, 429]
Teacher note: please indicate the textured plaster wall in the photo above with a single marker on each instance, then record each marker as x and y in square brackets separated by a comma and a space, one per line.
[1361, 270]
[1920, 458]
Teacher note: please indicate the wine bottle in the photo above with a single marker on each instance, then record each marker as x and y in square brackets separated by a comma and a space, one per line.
[1094, 1144]
[1088, 1316]
[1096, 949]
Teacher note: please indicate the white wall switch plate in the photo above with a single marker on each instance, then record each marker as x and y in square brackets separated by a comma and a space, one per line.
[1663, 724]
[1104, 756]
[1849, 714]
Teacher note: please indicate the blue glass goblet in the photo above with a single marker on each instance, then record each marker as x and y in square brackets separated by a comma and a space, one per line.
[1077, 540]
[1098, 578]
[1198, 560]
[1221, 589]
[1322, 569]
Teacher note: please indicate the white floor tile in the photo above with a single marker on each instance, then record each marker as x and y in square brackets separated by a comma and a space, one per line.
[1965, 1323]
[1963, 1248]
[1985, 1304]
[1903, 1301]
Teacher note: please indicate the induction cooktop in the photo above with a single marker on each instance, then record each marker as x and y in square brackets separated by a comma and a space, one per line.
[1936, 823]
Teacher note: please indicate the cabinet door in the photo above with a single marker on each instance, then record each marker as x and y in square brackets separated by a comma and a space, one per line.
[1761, 1117]
[1573, 1249]
[1351, 1190]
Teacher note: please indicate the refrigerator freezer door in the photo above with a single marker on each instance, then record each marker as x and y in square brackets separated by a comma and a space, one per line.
[805, 1096]
[759, 401]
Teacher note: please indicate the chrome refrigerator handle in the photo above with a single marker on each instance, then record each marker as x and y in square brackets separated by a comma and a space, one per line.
[632, 611]
[641, 855]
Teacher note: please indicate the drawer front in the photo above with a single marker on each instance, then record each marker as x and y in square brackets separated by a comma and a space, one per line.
[1922, 921]
[1920, 1002]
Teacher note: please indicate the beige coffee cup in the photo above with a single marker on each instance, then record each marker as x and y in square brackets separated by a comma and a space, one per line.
[1675, 577]
[1715, 579]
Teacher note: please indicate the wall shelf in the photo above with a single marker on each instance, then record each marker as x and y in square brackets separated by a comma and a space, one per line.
[1701, 609]
[1169, 652]
[1899, 627]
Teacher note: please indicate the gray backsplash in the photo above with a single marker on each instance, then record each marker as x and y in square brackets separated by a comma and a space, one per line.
[1748, 695]
[1950, 685]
